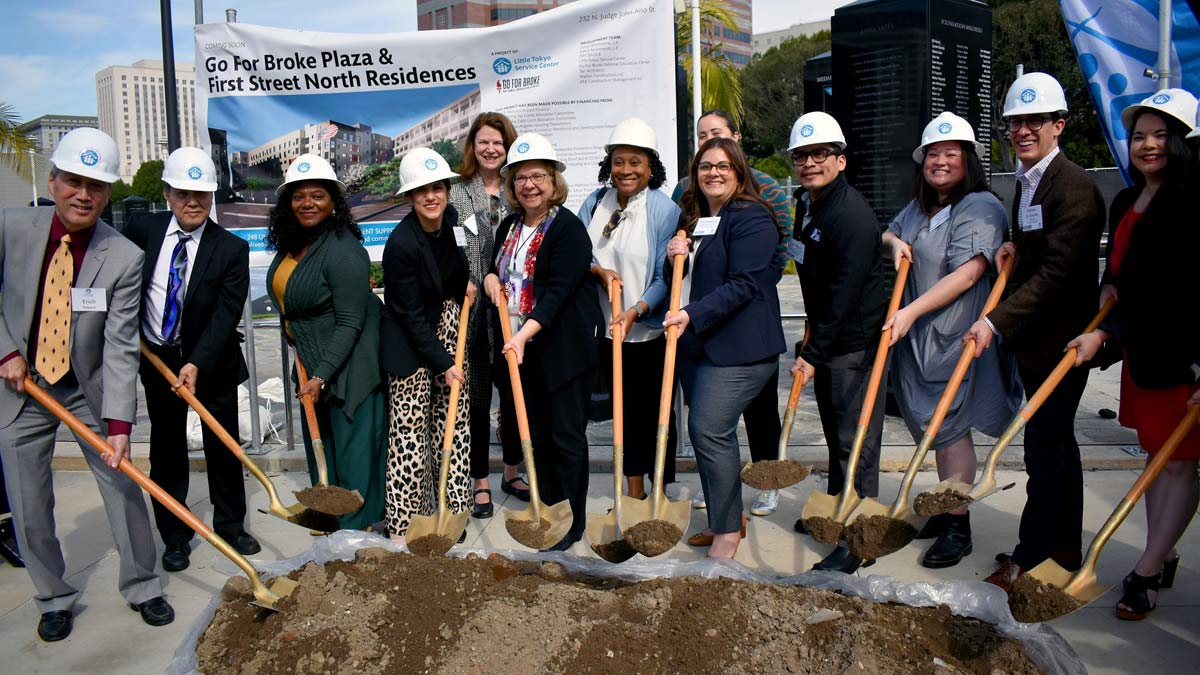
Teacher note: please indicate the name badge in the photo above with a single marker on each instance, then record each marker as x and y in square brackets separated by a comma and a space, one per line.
[471, 225]
[88, 300]
[1031, 218]
[815, 235]
[940, 218]
[706, 227]
[460, 236]
[796, 251]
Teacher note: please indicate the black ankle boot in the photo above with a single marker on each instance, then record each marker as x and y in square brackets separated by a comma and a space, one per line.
[8, 544]
[952, 545]
[933, 527]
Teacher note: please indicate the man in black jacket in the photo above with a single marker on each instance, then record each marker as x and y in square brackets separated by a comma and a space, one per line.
[194, 284]
[838, 252]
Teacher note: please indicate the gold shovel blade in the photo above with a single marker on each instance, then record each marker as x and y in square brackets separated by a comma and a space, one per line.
[449, 526]
[821, 505]
[892, 534]
[606, 539]
[558, 516]
[1082, 585]
[637, 511]
[281, 587]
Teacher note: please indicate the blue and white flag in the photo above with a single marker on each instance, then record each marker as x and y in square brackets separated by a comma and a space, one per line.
[1116, 41]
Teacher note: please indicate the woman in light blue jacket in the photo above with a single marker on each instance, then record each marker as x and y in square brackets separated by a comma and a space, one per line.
[630, 222]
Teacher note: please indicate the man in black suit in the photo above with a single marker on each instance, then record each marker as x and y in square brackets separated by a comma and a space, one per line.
[194, 284]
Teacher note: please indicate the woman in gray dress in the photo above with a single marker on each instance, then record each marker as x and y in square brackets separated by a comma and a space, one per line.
[949, 231]
[481, 205]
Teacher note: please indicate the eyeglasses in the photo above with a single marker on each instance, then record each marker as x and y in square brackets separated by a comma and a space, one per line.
[799, 157]
[1034, 124]
[721, 167]
[537, 178]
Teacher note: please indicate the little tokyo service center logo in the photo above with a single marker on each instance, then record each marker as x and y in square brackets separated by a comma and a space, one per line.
[502, 66]
[1161, 99]
[523, 148]
[303, 167]
[431, 164]
[194, 172]
[806, 130]
[89, 157]
[944, 128]
[1028, 95]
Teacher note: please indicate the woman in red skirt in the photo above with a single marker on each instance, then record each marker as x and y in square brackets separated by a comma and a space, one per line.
[1154, 234]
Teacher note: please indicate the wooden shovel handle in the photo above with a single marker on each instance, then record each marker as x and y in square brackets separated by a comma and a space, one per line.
[868, 405]
[126, 467]
[798, 381]
[1064, 366]
[1163, 455]
[460, 351]
[968, 354]
[668, 381]
[190, 398]
[310, 411]
[514, 375]
[618, 383]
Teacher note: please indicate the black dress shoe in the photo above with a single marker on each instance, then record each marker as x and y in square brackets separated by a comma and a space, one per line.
[462, 537]
[8, 544]
[155, 611]
[55, 626]
[175, 558]
[842, 560]
[520, 493]
[799, 526]
[244, 543]
[482, 511]
[953, 545]
[933, 527]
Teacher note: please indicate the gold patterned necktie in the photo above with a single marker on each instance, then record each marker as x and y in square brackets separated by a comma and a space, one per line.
[54, 331]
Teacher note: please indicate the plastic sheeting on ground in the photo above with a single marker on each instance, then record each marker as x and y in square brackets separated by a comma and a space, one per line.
[269, 392]
[974, 599]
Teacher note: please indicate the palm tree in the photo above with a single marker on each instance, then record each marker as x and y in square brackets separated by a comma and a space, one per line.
[14, 145]
[720, 85]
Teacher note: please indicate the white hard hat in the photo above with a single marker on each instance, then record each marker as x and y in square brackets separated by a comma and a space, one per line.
[816, 127]
[1034, 94]
[1177, 103]
[309, 167]
[88, 152]
[190, 169]
[422, 166]
[531, 146]
[633, 132]
[947, 127]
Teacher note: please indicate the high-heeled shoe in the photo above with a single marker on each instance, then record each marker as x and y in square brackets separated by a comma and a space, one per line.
[1166, 578]
[1135, 597]
[706, 539]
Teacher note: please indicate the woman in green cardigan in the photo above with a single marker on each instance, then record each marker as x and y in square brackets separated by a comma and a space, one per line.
[319, 280]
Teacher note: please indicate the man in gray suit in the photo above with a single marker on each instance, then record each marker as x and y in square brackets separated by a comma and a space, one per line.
[66, 271]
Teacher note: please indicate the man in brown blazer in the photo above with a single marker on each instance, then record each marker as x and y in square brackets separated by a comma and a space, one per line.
[1058, 217]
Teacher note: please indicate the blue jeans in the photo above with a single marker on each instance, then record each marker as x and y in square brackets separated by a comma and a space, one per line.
[716, 396]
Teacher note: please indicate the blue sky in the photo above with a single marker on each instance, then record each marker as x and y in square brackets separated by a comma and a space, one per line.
[49, 56]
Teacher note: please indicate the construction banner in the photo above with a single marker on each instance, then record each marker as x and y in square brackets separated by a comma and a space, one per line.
[361, 101]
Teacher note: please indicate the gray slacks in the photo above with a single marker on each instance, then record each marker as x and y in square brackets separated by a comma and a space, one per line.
[27, 446]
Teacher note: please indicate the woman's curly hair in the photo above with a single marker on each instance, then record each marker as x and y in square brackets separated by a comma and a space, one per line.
[658, 173]
[286, 234]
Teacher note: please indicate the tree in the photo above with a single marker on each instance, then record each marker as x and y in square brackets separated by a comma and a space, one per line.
[147, 183]
[1032, 32]
[774, 94]
[13, 144]
[720, 86]
[120, 190]
[449, 152]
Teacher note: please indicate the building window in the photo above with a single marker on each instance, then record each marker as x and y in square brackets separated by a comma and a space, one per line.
[511, 14]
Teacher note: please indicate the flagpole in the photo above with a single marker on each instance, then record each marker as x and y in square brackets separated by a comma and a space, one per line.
[1163, 68]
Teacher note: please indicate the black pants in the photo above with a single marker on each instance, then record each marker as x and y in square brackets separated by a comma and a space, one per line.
[4, 508]
[762, 421]
[481, 411]
[642, 373]
[558, 429]
[1052, 522]
[169, 454]
[839, 387]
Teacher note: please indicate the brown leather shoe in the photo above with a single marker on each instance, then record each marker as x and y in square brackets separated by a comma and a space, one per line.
[1005, 576]
[704, 539]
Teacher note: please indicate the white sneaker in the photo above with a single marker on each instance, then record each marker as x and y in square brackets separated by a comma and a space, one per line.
[677, 492]
[766, 503]
[698, 501]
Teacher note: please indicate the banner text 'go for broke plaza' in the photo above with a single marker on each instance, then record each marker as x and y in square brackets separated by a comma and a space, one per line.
[268, 95]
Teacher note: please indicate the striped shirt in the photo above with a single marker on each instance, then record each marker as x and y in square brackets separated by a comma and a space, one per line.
[1031, 177]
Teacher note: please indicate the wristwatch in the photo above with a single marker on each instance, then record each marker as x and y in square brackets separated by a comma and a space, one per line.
[637, 307]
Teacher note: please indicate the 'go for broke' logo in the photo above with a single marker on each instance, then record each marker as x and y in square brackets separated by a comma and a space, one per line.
[89, 157]
[194, 172]
[502, 66]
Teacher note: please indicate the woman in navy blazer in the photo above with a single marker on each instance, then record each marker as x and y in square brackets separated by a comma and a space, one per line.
[732, 336]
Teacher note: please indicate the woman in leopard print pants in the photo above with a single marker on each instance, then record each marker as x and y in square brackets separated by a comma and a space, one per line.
[425, 278]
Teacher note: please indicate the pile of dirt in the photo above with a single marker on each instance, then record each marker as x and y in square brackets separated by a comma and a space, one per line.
[395, 613]
[615, 551]
[824, 530]
[936, 503]
[773, 474]
[331, 499]
[875, 536]
[528, 533]
[430, 545]
[653, 537]
[1033, 601]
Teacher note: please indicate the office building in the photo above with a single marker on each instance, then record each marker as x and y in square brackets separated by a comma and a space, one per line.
[132, 108]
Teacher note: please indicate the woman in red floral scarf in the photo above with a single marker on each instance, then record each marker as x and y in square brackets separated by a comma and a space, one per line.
[542, 273]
